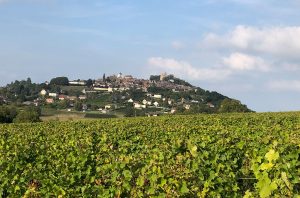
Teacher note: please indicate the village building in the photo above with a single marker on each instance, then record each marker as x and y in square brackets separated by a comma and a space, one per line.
[80, 82]
[130, 100]
[211, 105]
[49, 100]
[82, 97]
[157, 96]
[72, 98]
[187, 107]
[62, 97]
[43, 92]
[54, 95]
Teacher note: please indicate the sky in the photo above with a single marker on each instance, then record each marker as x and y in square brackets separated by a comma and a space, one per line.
[245, 49]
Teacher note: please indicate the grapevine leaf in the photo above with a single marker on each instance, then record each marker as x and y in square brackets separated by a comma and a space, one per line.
[184, 188]
[272, 155]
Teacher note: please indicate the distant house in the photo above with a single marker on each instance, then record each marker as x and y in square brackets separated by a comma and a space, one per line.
[145, 102]
[156, 104]
[28, 103]
[49, 100]
[80, 82]
[211, 105]
[187, 107]
[108, 107]
[128, 77]
[54, 95]
[82, 97]
[137, 106]
[130, 100]
[62, 97]
[72, 98]
[43, 92]
[157, 96]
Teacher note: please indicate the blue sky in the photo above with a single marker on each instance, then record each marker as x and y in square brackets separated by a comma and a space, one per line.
[245, 49]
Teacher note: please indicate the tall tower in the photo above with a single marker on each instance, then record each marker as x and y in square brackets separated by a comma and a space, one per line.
[104, 78]
[163, 76]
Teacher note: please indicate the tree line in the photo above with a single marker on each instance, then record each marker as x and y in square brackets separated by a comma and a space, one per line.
[10, 114]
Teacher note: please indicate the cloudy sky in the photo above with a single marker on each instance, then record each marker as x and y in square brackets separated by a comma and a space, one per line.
[245, 49]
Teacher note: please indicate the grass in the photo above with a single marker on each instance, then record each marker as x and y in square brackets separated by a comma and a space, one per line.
[63, 117]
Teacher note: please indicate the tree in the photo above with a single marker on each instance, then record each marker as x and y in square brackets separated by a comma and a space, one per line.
[230, 105]
[89, 82]
[129, 111]
[155, 77]
[27, 116]
[63, 104]
[78, 105]
[7, 114]
[59, 81]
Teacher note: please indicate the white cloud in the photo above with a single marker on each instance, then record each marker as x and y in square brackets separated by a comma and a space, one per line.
[282, 42]
[284, 85]
[243, 62]
[291, 67]
[185, 69]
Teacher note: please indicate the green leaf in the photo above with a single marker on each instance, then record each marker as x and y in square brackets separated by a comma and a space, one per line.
[127, 174]
[17, 188]
[266, 166]
[140, 181]
[267, 190]
[184, 188]
[248, 194]
[272, 155]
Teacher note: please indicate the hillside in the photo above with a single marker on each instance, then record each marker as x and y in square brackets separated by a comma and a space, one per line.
[117, 96]
[225, 155]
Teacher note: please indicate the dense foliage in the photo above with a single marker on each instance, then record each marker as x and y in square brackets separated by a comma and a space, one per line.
[59, 81]
[9, 114]
[230, 105]
[29, 114]
[20, 91]
[233, 155]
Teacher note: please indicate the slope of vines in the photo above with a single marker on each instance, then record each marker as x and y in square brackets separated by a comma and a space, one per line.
[233, 155]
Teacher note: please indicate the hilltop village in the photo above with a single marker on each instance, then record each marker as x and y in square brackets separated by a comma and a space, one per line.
[114, 96]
